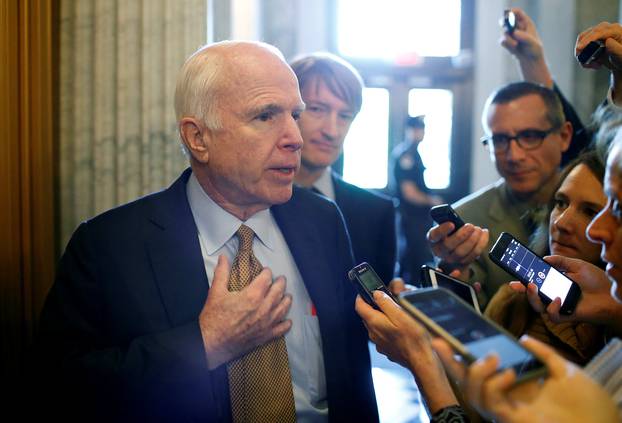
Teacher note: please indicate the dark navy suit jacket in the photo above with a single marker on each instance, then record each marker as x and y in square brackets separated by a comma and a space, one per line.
[370, 219]
[119, 336]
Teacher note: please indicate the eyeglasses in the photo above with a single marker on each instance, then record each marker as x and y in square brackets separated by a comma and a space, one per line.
[529, 139]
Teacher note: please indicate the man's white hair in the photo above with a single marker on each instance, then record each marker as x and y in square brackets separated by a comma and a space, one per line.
[200, 79]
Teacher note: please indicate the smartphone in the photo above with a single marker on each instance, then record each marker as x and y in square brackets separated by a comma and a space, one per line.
[445, 213]
[524, 264]
[367, 281]
[591, 52]
[509, 21]
[472, 335]
[433, 278]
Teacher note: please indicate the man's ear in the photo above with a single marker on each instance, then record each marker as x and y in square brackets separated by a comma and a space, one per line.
[565, 133]
[195, 137]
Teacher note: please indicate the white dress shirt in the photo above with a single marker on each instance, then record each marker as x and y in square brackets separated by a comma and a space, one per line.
[217, 229]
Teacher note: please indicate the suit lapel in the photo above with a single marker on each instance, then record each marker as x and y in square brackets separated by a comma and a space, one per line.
[309, 254]
[173, 247]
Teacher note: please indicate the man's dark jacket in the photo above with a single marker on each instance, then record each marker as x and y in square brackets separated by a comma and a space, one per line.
[119, 336]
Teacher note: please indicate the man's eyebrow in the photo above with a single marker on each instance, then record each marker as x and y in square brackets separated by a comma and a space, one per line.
[265, 108]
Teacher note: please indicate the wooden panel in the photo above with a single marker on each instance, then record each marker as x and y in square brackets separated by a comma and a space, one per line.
[10, 222]
[27, 174]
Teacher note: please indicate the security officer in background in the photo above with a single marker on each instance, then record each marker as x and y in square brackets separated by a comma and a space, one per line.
[415, 200]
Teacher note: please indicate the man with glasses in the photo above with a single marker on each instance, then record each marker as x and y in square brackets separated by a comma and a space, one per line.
[526, 134]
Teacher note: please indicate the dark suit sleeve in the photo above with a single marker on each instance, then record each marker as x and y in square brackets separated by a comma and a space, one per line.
[112, 374]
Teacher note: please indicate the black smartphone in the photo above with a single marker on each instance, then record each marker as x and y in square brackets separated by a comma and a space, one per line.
[509, 21]
[591, 52]
[433, 278]
[524, 264]
[445, 213]
[367, 281]
[472, 335]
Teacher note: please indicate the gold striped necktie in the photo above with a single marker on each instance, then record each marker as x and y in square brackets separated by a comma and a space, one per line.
[260, 383]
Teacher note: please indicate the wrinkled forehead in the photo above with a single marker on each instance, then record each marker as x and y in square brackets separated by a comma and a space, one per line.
[527, 110]
[257, 67]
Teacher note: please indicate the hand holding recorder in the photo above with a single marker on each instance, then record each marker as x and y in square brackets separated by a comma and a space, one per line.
[601, 45]
[403, 340]
[525, 44]
[456, 243]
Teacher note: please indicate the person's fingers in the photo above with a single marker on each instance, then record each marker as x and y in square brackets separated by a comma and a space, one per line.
[555, 363]
[517, 286]
[508, 42]
[397, 285]
[363, 309]
[390, 308]
[278, 313]
[220, 281]
[456, 369]
[263, 285]
[534, 298]
[494, 392]
[279, 329]
[439, 232]
[477, 374]
[460, 247]
[614, 48]
[553, 310]
[561, 263]
[477, 287]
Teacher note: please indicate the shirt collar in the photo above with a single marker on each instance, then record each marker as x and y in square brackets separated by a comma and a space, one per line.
[216, 225]
[325, 184]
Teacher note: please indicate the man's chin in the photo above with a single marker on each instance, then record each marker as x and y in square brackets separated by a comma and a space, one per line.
[282, 195]
[317, 161]
[522, 188]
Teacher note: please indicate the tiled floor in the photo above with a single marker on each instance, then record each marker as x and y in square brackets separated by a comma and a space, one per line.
[396, 392]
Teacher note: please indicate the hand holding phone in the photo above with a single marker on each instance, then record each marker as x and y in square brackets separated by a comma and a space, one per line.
[445, 213]
[527, 266]
[471, 335]
[367, 281]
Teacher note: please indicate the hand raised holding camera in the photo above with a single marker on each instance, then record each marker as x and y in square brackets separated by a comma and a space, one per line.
[525, 45]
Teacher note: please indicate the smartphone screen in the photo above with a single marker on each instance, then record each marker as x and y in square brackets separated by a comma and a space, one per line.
[367, 281]
[370, 280]
[532, 268]
[479, 335]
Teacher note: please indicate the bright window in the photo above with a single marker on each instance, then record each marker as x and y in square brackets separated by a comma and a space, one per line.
[365, 148]
[437, 107]
[401, 30]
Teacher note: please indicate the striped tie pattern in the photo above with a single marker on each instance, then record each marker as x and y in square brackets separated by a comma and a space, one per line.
[260, 383]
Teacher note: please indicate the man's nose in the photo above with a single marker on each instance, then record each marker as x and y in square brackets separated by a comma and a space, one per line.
[514, 151]
[330, 128]
[291, 137]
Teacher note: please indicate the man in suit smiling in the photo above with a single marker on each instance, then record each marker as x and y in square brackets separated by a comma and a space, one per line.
[332, 91]
[148, 319]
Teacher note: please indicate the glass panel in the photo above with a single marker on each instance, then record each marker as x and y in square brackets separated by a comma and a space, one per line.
[365, 148]
[437, 106]
[401, 30]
